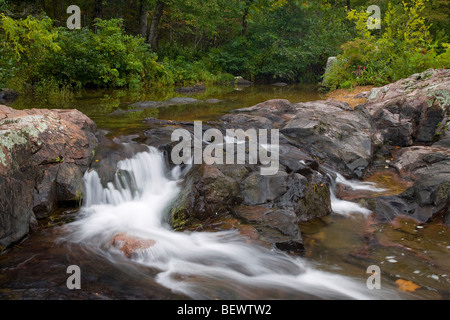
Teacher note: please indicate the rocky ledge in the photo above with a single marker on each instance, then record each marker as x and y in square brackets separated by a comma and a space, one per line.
[43, 156]
[407, 121]
[403, 126]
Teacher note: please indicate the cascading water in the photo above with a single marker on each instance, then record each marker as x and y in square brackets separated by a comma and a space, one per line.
[346, 207]
[201, 265]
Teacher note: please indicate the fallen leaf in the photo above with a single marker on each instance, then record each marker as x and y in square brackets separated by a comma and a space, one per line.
[407, 286]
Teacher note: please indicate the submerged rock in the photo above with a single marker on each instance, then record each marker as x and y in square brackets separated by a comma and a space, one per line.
[131, 245]
[198, 88]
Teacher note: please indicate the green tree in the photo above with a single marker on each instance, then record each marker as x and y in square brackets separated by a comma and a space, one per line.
[405, 46]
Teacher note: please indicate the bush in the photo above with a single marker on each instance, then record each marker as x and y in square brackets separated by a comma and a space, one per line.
[405, 46]
[35, 55]
[289, 43]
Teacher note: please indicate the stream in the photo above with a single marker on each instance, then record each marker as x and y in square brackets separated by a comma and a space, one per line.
[214, 264]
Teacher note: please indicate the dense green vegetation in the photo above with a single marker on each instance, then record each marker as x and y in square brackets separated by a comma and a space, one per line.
[143, 43]
[404, 46]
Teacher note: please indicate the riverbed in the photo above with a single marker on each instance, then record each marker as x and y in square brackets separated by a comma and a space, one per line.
[339, 247]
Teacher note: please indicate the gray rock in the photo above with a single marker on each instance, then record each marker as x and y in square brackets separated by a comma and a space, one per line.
[410, 110]
[334, 133]
[239, 81]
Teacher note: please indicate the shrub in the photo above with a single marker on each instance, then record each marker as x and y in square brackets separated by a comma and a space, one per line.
[405, 46]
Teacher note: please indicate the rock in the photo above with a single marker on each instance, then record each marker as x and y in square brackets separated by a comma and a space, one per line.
[272, 204]
[180, 101]
[333, 132]
[276, 226]
[131, 245]
[43, 153]
[259, 189]
[279, 84]
[239, 81]
[206, 193]
[410, 110]
[245, 121]
[142, 105]
[16, 203]
[7, 95]
[330, 62]
[284, 221]
[198, 88]
[420, 162]
[329, 130]
[145, 105]
[426, 200]
[213, 101]
[108, 155]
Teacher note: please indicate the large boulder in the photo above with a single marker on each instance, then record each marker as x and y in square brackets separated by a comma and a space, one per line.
[333, 132]
[329, 130]
[410, 110]
[429, 168]
[272, 204]
[43, 156]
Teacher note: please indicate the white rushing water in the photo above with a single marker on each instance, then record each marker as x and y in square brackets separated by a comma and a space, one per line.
[345, 207]
[201, 265]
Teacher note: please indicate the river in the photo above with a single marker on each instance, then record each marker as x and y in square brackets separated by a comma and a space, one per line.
[216, 264]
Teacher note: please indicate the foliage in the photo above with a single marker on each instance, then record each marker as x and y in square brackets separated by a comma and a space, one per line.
[210, 40]
[49, 59]
[288, 43]
[24, 43]
[405, 46]
[3, 5]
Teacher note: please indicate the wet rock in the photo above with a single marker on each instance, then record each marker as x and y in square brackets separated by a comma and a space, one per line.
[275, 110]
[142, 105]
[131, 245]
[146, 105]
[284, 221]
[276, 226]
[245, 121]
[109, 153]
[429, 197]
[279, 84]
[213, 101]
[333, 132]
[206, 193]
[239, 81]
[420, 162]
[198, 88]
[45, 153]
[16, 201]
[7, 95]
[180, 100]
[259, 189]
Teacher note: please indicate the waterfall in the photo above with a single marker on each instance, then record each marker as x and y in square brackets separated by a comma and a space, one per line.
[201, 265]
[347, 208]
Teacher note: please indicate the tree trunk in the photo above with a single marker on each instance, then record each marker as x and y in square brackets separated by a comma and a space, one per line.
[143, 18]
[98, 12]
[55, 9]
[248, 3]
[153, 33]
[348, 5]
